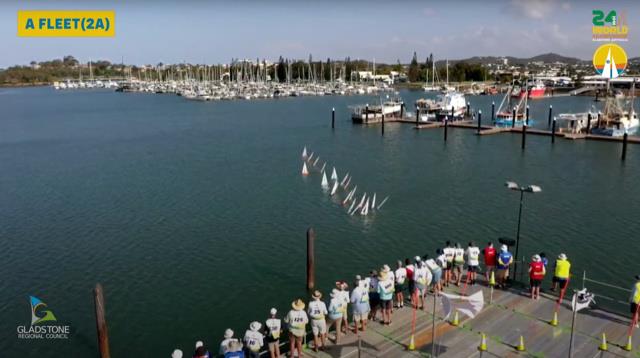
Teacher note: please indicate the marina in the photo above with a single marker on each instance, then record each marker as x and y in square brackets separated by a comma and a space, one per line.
[168, 131]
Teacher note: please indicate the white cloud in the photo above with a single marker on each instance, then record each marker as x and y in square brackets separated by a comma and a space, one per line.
[533, 9]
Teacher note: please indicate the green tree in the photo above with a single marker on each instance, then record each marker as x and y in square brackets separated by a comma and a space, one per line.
[414, 69]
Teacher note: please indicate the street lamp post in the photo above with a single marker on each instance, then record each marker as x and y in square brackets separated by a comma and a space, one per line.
[529, 189]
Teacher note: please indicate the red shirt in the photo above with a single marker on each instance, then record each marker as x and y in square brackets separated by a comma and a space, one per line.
[536, 270]
[490, 256]
[409, 273]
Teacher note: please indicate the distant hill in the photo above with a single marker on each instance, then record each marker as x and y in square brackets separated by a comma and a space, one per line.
[546, 58]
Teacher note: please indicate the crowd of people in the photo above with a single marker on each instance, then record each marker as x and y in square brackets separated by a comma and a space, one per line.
[410, 282]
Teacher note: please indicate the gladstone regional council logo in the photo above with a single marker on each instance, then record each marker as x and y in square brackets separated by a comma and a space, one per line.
[41, 323]
[610, 60]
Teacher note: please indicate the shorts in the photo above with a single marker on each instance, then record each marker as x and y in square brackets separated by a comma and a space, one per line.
[274, 344]
[411, 287]
[437, 276]
[318, 326]
[472, 268]
[503, 273]
[374, 299]
[633, 308]
[357, 317]
[385, 304]
[534, 282]
[561, 281]
[459, 265]
[399, 287]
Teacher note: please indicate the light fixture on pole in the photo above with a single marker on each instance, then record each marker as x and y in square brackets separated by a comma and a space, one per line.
[528, 189]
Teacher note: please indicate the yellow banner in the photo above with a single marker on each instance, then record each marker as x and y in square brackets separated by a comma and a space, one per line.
[66, 23]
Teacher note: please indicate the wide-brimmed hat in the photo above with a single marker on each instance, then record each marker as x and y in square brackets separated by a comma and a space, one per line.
[255, 326]
[199, 344]
[228, 333]
[536, 258]
[176, 354]
[382, 275]
[562, 257]
[386, 268]
[358, 277]
[317, 294]
[417, 258]
[504, 248]
[297, 305]
[273, 311]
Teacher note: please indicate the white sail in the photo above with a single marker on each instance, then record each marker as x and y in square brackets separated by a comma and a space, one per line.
[353, 203]
[346, 185]
[334, 174]
[359, 206]
[305, 171]
[323, 166]
[334, 189]
[365, 208]
[310, 156]
[610, 70]
[350, 196]
[304, 153]
[316, 161]
[344, 180]
[373, 202]
[382, 203]
[325, 182]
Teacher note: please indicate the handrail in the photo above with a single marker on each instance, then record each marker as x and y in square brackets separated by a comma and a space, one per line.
[584, 278]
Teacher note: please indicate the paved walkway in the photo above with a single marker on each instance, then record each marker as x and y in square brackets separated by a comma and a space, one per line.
[510, 315]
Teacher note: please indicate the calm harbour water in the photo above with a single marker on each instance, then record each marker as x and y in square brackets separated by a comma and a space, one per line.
[193, 215]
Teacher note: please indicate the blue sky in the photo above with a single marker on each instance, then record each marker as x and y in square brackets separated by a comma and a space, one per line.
[215, 31]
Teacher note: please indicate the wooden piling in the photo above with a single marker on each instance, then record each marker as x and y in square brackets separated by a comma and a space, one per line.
[402, 110]
[468, 109]
[493, 112]
[549, 120]
[513, 117]
[524, 135]
[479, 120]
[382, 130]
[366, 113]
[625, 137]
[333, 118]
[311, 268]
[417, 115]
[526, 121]
[599, 119]
[588, 123]
[553, 131]
[446, 126]
[101, 322]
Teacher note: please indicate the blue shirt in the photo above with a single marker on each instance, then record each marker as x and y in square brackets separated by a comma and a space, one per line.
[505, 257]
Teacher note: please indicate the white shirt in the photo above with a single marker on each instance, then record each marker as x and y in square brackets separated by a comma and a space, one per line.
[366, 283]
[373, 284]
[432, 265]
[458, 255]
[442, 260]
[296, 319]
[253, 340]
[420, 275]
[448, 253]
[401, 275]
[391, 276]
[473, 253]
[337, 305]
[274, 326]
[317, 310]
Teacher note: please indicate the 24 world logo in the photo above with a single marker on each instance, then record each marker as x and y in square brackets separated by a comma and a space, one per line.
[41, 327]
[609, 25]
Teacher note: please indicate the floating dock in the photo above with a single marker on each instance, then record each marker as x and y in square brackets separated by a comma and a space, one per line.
[510, 315]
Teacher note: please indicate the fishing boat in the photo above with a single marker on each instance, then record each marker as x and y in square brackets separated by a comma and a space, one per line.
[577, 122]
[531, 90]
[364, 114]
[454, 106]
[505, 112]
[618, 117]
